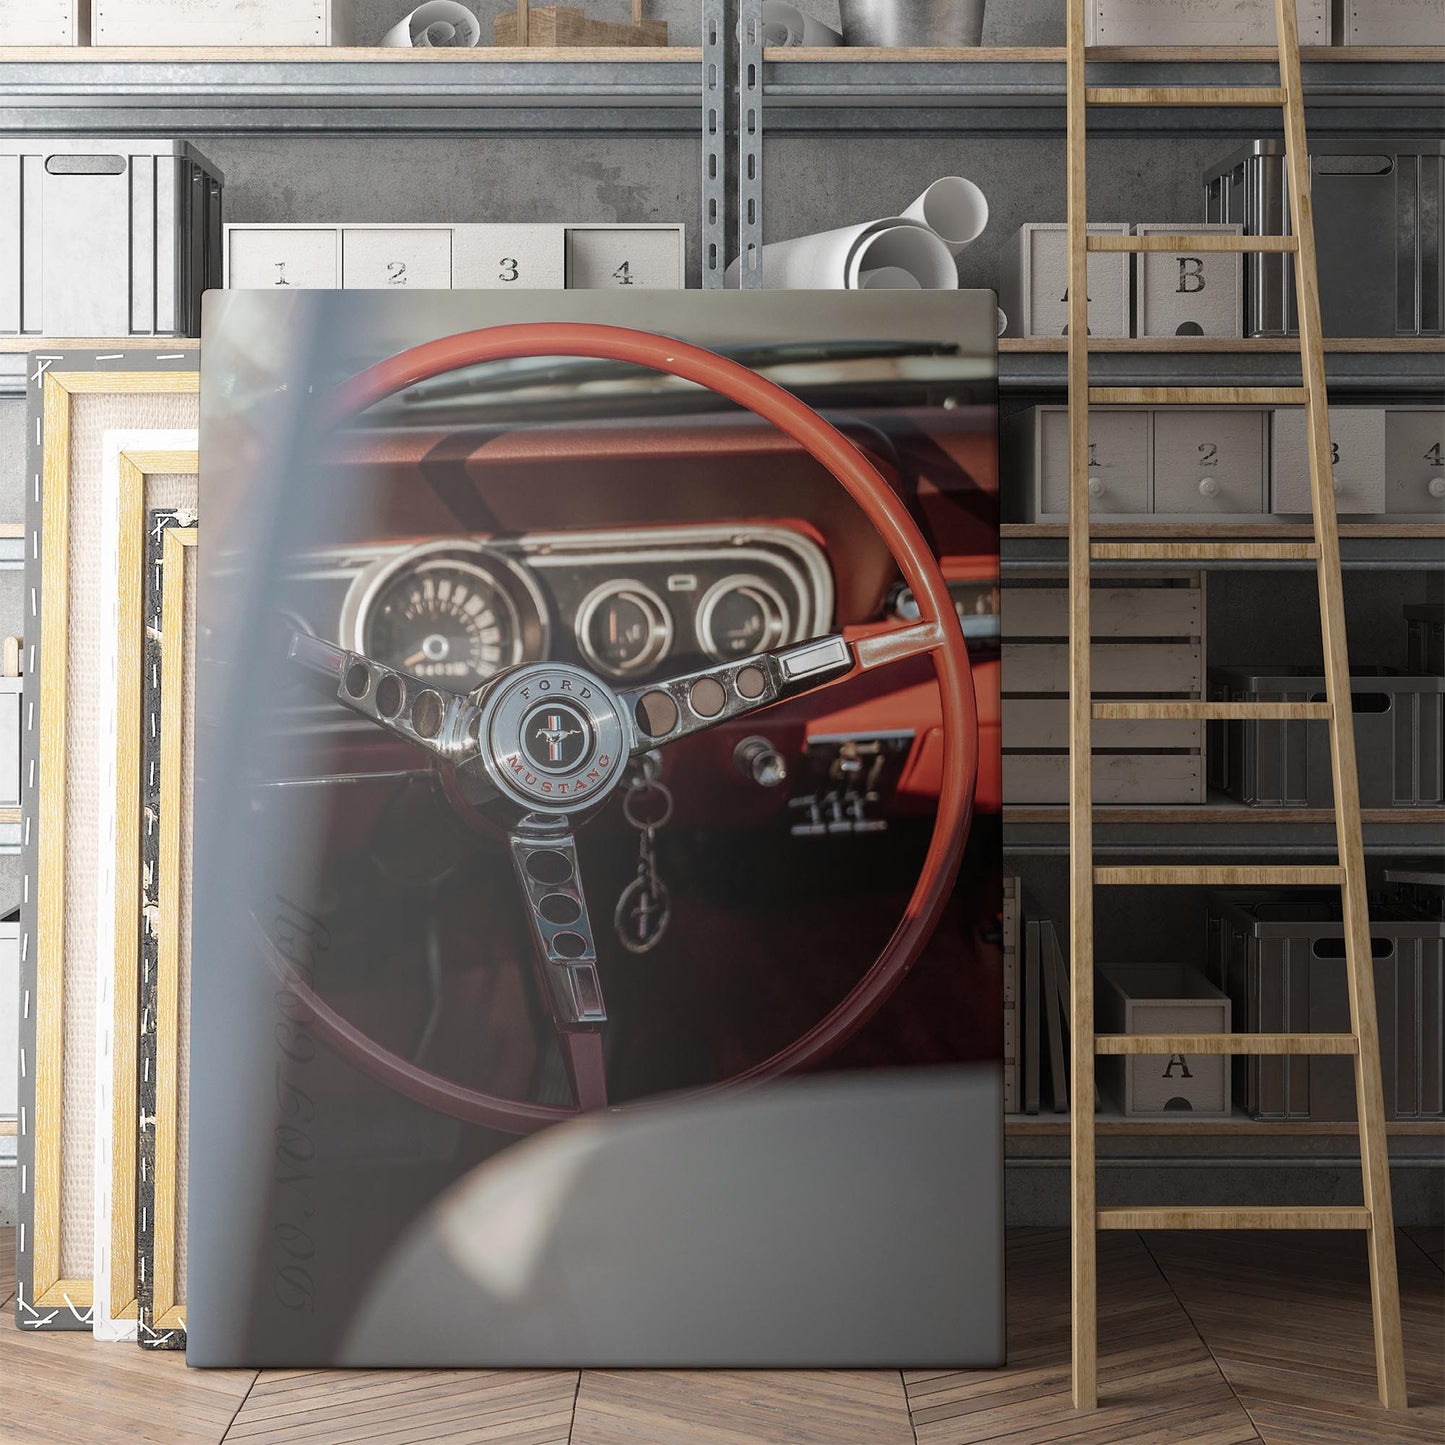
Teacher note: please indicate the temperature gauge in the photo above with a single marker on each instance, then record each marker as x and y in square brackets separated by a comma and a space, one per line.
[740, 616]
[623, 628]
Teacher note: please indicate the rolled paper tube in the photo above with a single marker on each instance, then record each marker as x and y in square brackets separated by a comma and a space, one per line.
[1002, 321]
[786, 25]
[954, 209]
[437, 25]
[887, 278]
[903, 245]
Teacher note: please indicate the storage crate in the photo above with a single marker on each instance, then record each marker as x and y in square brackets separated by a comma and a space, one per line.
[1033, 287]
[1200, 22]
[1389, 22]
[1012, 904]
[1280, 958]
[1425, 637]
[220, 22]
[44, 22]
[1188, 293]
[1150, 998]
[106, 237]
[1377, 217]
[1399, 739]
[1148, 641]
[469, 256]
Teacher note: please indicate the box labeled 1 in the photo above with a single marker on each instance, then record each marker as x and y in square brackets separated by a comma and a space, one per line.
[281, 257]
[643, 257]
[1189, 293]
[1033, 286]
[508, 258]
[1357, 454]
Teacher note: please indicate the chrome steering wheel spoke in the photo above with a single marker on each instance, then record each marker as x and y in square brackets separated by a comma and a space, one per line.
[663, 712]
[564, 949]
[441, 723]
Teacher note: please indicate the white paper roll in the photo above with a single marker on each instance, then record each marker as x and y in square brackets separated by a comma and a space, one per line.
[954, 208]
[785, 24]
[1002, 321]
[888, 278]
[437, 25]
[835, 260]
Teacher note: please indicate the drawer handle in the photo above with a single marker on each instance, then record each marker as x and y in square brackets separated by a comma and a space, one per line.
[1436, 487]
[1208, 487]
[1096, 486]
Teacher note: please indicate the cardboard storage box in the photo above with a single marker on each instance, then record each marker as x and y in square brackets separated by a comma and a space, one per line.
[44, 22]
[1399, 739]
[1200, 22]
[1281, 959]
[106, 237]
[1357, 449]
[1188, 293]
[220, 22]
[1033, 287]
[1151, 998]
[1389, 22]
[1377, 233]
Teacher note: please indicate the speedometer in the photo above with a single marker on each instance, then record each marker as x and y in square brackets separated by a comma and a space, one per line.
[451, 613]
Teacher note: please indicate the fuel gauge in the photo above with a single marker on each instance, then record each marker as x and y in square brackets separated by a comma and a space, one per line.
[623, 628]
[740, 616]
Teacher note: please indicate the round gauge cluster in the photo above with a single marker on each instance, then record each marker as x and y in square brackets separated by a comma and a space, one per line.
[623, 628]
[450, 613]
[740, 616]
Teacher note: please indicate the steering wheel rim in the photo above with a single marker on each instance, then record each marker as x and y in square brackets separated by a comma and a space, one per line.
[848, 465]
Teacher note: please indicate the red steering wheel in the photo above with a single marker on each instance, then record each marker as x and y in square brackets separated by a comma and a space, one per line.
[488, 745]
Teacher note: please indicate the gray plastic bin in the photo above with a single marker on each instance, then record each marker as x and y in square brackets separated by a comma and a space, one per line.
[1280, 958]
[1399, 737]
[1425, 637]
[1377, 212]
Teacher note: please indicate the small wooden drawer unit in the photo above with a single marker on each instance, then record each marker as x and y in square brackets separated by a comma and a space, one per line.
[1151, 998]
[1357, 451]
[220, 22]
[1209, 462]
[1033, 287]
[1189, 293]
[1415, 460]
[1148, 642]
[1201, 22]
[1037, 447]
[479, 256]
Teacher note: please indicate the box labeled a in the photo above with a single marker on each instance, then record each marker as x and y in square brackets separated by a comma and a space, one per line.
[1189, 292]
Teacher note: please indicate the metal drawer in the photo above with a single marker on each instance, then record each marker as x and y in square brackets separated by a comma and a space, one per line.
[1208, 462]
[382, 257]
[1357, 438]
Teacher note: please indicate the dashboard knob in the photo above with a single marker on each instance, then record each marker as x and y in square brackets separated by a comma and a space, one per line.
[1208, 487]
[757, 759]
[1096, 486]
[1436, 486]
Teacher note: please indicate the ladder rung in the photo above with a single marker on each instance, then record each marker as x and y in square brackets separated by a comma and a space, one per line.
[1198, 395]
[1225, 876]
[1187, 241]
[1185, 95]
[1223, 1217]
[1205, 551]
[1156, 711]
[1266, 1044]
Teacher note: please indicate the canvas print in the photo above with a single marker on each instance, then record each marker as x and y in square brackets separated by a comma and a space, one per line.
[595, 933]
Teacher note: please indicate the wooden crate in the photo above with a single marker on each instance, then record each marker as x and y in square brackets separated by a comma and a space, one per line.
[1389, 22]
[1012, 904]
[1148, 635]
[1188, 293]
[551, 26]
[44, 22]
[1200, 22]
[220, 22]
[1033, 287]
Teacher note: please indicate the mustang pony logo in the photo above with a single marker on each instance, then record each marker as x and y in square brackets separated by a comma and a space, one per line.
[554, 733]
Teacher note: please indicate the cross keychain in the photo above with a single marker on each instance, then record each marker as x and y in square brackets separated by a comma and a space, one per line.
[644, 908]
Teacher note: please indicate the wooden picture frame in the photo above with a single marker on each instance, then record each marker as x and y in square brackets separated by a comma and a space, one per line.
[142, 470]
[75, 397]
[161, 927]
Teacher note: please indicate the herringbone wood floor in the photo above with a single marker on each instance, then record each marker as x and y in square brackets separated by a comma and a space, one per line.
[1205, 1340]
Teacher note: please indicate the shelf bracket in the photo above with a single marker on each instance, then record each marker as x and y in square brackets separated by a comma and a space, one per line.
[714, 143]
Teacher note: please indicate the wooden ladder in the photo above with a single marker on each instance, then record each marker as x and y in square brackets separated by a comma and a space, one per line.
[1376, 1217]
